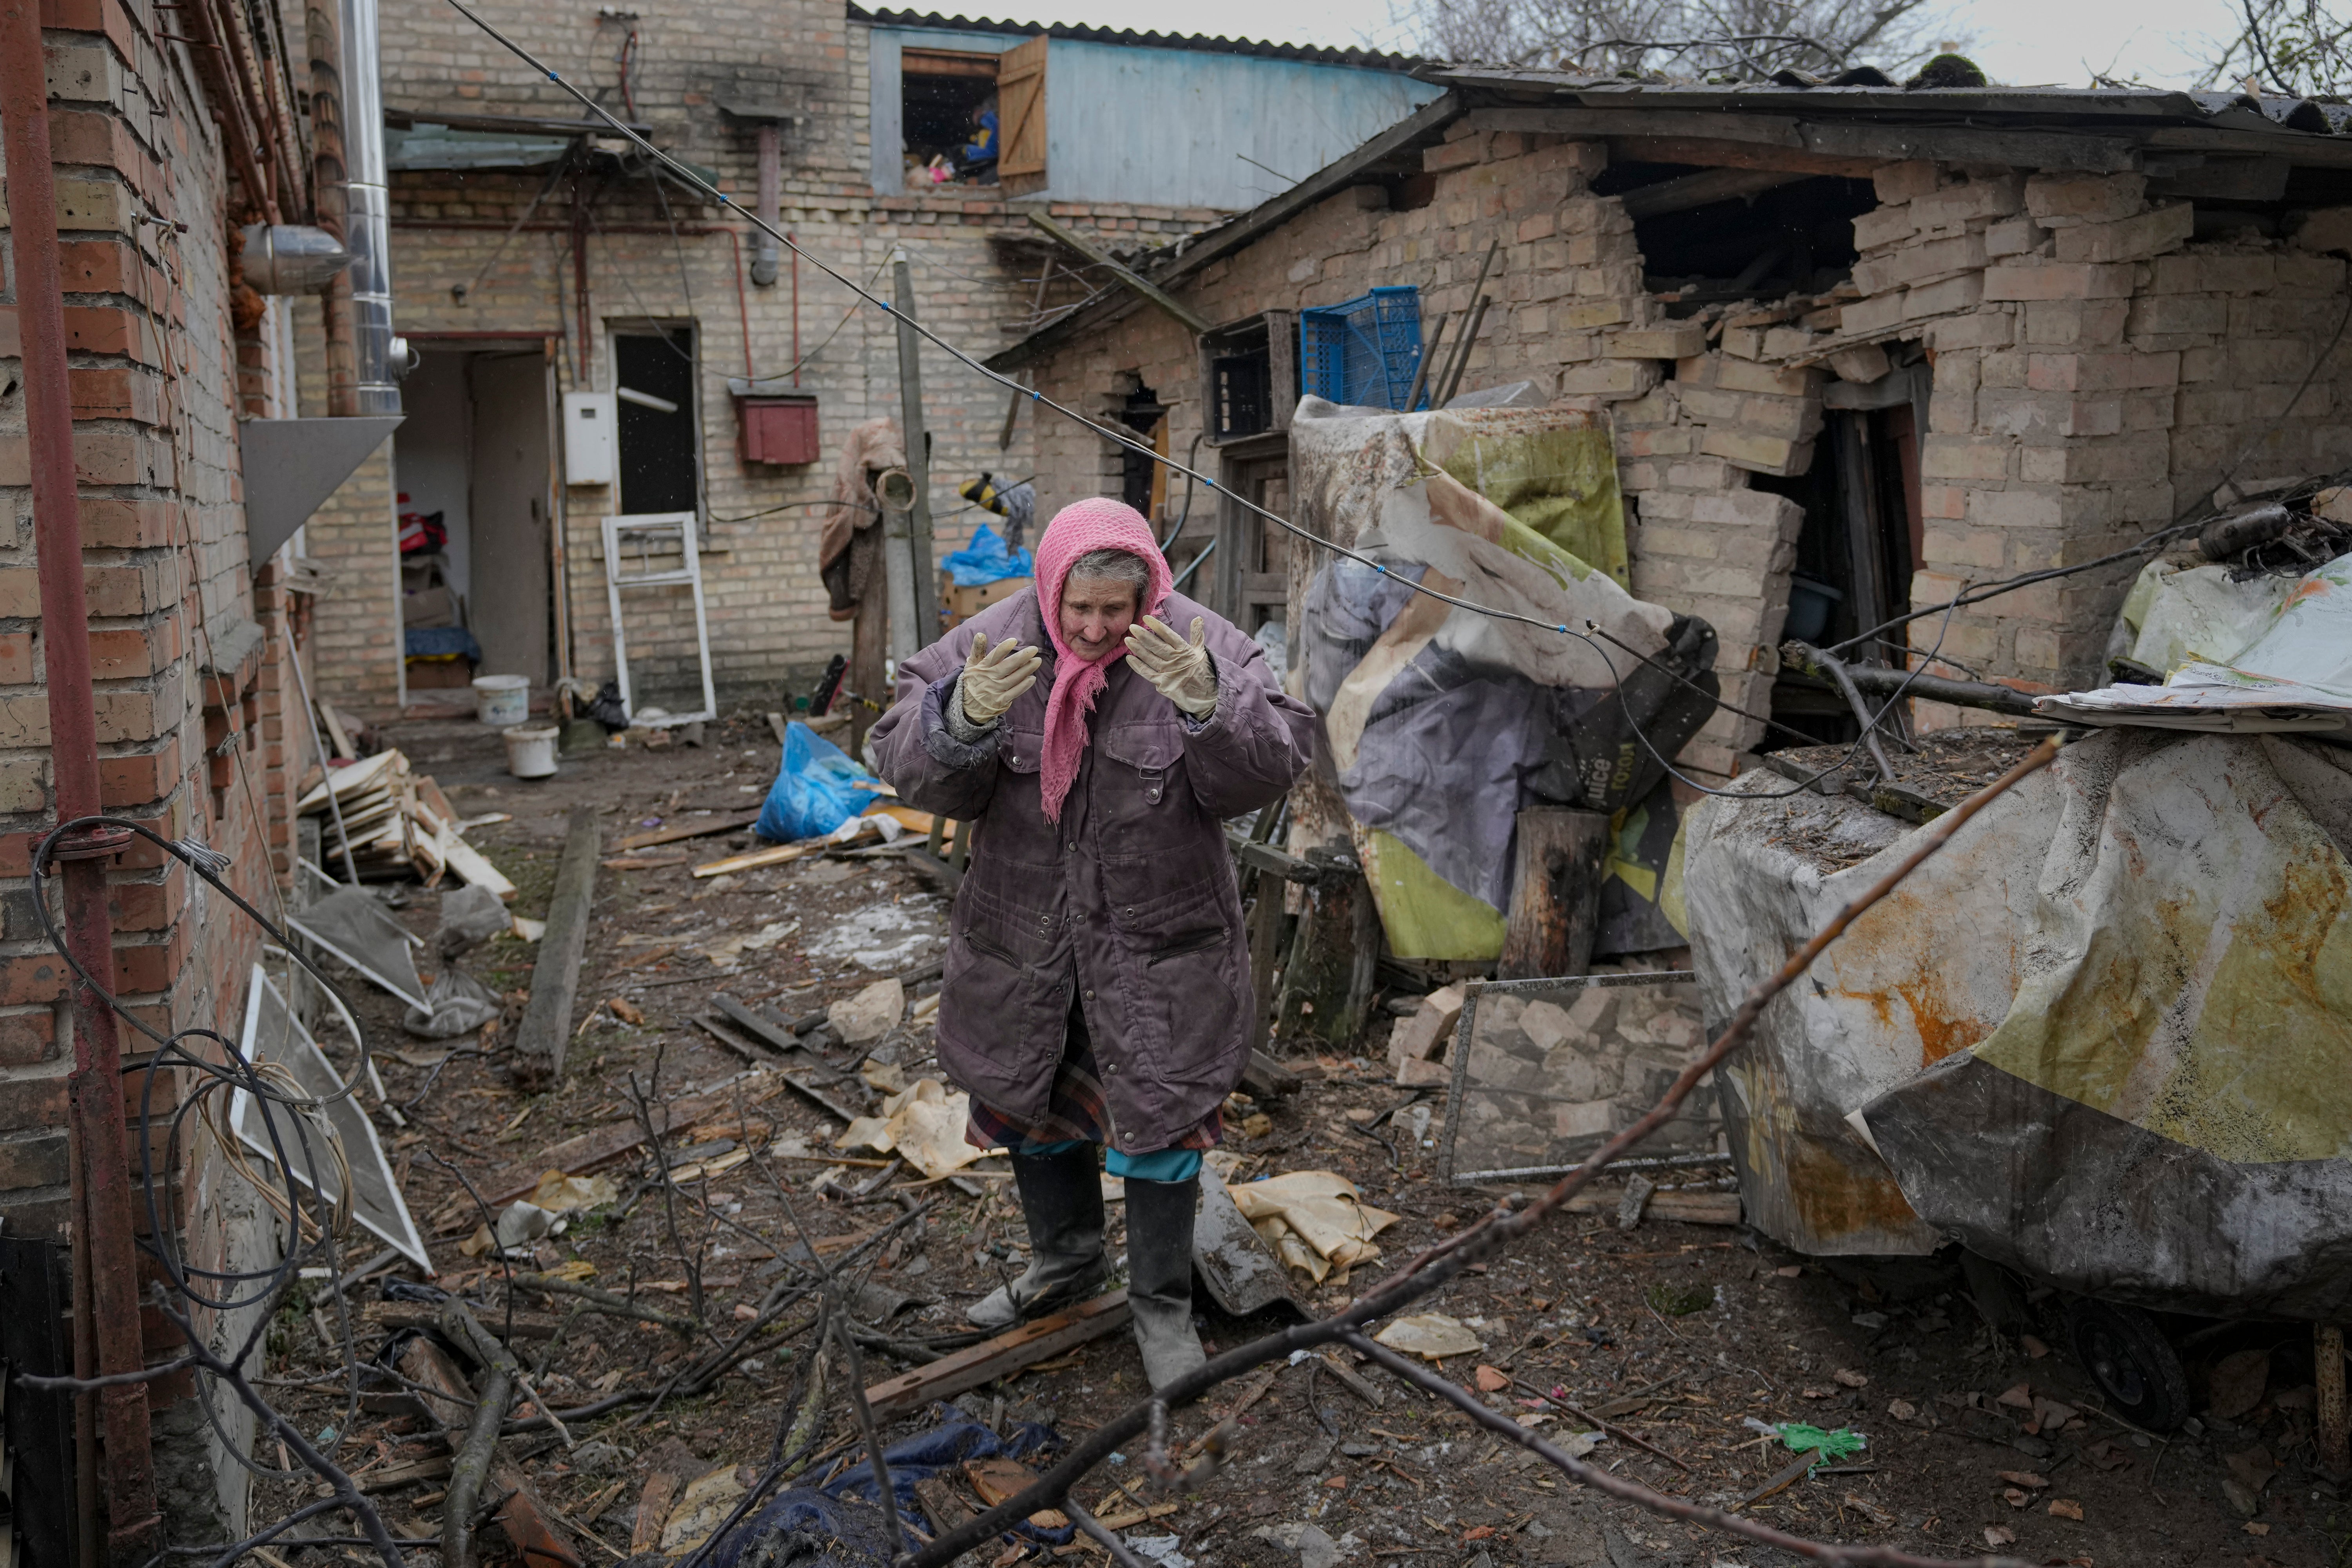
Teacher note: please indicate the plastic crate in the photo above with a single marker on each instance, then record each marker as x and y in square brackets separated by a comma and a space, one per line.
[1364, 352]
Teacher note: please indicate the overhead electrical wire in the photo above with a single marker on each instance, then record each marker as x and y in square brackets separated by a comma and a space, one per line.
[693, 180]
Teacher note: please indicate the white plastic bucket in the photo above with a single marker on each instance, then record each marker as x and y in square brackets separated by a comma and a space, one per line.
[531, 750]
[503, 699]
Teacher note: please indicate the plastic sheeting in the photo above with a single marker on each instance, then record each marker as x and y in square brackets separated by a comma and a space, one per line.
[2104, 1036]
[947, 1446]
[987, 559]
[1442, 724]
[817, 789]
[2294, 676]
[355, 928]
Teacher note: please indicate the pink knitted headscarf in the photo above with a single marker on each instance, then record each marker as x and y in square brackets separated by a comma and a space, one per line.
[1096, 523]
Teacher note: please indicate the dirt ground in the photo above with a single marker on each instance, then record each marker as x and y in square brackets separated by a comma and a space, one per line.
[1678, 1336]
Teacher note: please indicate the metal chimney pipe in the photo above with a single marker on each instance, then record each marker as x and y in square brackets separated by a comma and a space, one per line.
[381, 358]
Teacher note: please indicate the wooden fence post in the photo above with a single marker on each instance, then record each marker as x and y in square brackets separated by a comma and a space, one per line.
[1555, 892]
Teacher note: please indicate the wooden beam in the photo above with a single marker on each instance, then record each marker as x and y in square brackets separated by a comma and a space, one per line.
[1718, 153]
[1883, 143]
[1703, 189]
[1125, 276]
[546, 1026]
[703, 829]
[991, 1359]
[448, 1398]
[1556, 875]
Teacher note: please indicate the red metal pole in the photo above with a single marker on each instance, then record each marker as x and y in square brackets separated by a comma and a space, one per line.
[102, 1228]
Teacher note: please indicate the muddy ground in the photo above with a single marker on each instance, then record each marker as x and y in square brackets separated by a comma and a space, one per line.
[1677, 1335]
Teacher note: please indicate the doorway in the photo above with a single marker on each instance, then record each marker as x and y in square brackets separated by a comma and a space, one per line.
[474, 453]
[1251, 565]
[1859, 544]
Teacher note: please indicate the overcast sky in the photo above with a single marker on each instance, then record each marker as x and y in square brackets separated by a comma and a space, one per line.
[2019, 42]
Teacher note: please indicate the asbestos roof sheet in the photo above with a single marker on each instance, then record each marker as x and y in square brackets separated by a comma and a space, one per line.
[2082, 106]
[1317, 54]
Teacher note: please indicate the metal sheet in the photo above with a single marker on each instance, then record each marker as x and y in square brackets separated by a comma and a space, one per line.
[292, 466]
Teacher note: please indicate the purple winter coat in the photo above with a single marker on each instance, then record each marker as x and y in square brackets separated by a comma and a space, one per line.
[1129, 900]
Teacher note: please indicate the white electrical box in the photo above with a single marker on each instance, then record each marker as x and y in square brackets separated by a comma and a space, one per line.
[588, 436]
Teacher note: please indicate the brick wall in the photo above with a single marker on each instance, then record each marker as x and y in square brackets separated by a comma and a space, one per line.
[974, 260]
[187, 644]
[2096, 370]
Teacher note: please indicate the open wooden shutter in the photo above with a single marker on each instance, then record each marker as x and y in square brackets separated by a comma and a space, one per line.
[1020, 112]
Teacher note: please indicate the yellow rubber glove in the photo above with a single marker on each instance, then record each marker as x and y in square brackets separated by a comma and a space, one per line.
[993, 678]
[1180, 669]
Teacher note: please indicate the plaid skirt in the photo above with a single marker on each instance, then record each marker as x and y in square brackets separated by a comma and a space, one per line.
[1076, 1110]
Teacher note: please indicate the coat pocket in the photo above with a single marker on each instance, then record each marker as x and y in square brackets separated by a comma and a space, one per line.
[1197, 990]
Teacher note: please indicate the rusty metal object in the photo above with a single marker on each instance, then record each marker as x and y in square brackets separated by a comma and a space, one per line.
[106, 1260]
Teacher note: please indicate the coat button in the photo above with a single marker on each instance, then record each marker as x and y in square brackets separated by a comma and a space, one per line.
[1074, 846]
[1090, 997]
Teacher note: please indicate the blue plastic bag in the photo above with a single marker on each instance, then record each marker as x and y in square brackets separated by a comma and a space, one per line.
[985, 560]
[817, 789]
[943, 1447]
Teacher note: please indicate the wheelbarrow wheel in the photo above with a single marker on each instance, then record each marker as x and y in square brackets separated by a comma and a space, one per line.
[2130, 1359]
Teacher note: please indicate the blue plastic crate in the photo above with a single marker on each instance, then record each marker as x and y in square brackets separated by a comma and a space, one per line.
[1364, 352]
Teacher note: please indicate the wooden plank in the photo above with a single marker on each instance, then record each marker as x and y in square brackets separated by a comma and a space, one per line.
[991, 1359]
[758, 1029]
[546, 1026]
[471, 866]
[392, 1478]
[1279, 863]
[1126, 277]
[1703, 189]
[701, 829]
[595, 1149]
[1555, 892]
[1267, 1078]
[1690, 1208]
[672, 1465]
[1716, 152]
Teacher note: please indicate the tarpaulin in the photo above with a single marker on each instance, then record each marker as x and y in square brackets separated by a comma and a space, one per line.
[2104, 1036]
[950, 1444]
[1442, 723]
[2293, 675]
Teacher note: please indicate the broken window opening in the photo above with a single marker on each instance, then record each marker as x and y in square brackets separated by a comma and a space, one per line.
[1249, 376]
[948, 118]
[1714, 235]
[658, 426]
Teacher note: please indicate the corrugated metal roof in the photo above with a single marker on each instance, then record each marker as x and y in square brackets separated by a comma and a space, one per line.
[1372, 59]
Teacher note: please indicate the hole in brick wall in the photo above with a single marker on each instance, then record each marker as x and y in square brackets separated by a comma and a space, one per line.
[1143, 483]
[1793, 237]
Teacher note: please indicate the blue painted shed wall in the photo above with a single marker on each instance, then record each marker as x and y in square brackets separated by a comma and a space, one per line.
[1165, 127]
[1169, 127]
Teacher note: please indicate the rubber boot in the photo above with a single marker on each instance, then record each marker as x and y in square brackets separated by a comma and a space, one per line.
[1061, 1198]
[1159, 1276]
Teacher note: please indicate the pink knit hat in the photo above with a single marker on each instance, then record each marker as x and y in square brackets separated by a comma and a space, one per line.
[1096, 523]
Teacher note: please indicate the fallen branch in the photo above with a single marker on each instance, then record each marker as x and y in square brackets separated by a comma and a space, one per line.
[605, 1301]
[1439, 1264]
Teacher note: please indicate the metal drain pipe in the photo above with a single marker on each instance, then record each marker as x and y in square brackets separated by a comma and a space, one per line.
[379, 357]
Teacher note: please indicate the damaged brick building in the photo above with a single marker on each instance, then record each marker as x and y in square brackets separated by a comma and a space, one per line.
[1860, 346]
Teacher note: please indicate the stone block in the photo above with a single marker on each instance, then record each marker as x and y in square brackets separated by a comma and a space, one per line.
[1920, 263]
[2058, 199]
[1747, 375]
[2135, 238]
[2326, 229]
[1864, 365]
[2013, 236]
[1902, 182]
[1884, 227]
[1963, 457]
[1674, 341]
[2059, 280]
[1980, 328]
[1977, 199]
[1758, 453]
[1609, 378]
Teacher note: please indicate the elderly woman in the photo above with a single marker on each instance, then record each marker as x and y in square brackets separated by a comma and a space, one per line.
[1096, 992]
